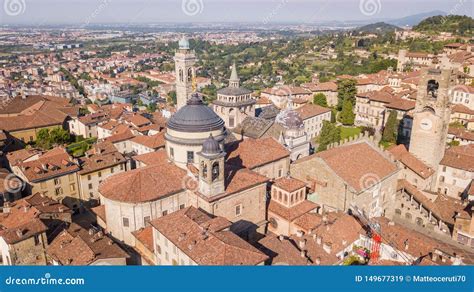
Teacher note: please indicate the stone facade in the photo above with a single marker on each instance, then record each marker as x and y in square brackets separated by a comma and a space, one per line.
[431, 117]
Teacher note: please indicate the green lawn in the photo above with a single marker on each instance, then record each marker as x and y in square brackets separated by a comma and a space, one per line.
[347, 132]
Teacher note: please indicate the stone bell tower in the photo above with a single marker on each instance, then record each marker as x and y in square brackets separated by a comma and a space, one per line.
[211, 168]
[185, 72]
[431, 116]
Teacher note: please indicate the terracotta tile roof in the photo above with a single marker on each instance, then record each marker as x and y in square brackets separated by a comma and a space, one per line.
[23, 231]
[20, 155]
[152, 158]
[252, 153]
[442, 207]
[351, 163]
[459, 108]
[460, 157]
[401, 153]
[54, 163]
[77, 246]
[315, 252]
[401, 104]
[308, 221]
[100, 161]
[418, 244]
[194, 233]
[144, 184]
[145, 236]
[311, 110]
[461, 133]
[21, 219]
[339, 229]
[126, 135]
[381, 96]
[100, 212]
[154, 142]
[289, 184]
[239, 179]
[326, 86]
[46, 114]
[292, 213]
[281, 251]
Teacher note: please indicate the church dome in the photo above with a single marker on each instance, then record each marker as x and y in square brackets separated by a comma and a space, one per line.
[195, 116]
[289, 119]
[211, 146]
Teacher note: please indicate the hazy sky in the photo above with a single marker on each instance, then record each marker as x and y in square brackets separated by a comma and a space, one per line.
[154, 11]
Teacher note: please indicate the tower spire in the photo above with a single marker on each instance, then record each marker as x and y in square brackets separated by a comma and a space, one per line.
[234, 80]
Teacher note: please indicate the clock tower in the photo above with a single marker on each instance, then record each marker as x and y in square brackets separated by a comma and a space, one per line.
[431, 116]
[185, 72]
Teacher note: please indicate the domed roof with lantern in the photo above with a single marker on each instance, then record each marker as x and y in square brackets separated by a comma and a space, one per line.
[195, 116]
[289, 118]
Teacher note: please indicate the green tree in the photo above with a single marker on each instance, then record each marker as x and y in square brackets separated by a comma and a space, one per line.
[347, 115]
[320, 99]
[390, 134]
[346, 89]
[173, 97]
[329, 134]
[46, 138]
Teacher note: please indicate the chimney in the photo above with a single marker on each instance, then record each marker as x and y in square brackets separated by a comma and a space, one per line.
[317, 261]
[299, 233]
[327, 246]
[281, 237]
[406, 244]
[91, 231]
[44, 166]
[303, 254]
[302, 244]
[19, 232]
[434, 257]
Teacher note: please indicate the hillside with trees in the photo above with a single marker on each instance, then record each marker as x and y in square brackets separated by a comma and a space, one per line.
[456, 24]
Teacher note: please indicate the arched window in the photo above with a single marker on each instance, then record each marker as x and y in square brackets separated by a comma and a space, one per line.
[279, 196]
[432, 88]
[204, 169]
[190, 74]
[286, 198]
[215, 171]
[181, 75]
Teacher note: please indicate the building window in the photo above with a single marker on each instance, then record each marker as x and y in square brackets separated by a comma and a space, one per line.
[167, 257]
[37, 241]
[72, 187]
[238, 210]
[89, 177]
[71, 177]
[57, 181]
[175, 250]
[215, 171]
[125, 222]
[280, 171]
[171, 152]
[90, 186]
[59, 191]
[190, 157]
[146, 220]
[158, 249]
[182, 206]
[111, 170]
[99, 174]
[121, 166]
[164, 213]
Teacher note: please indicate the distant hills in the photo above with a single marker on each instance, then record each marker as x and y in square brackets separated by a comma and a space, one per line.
[378, 27]
[414, 19]
[461, 25]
